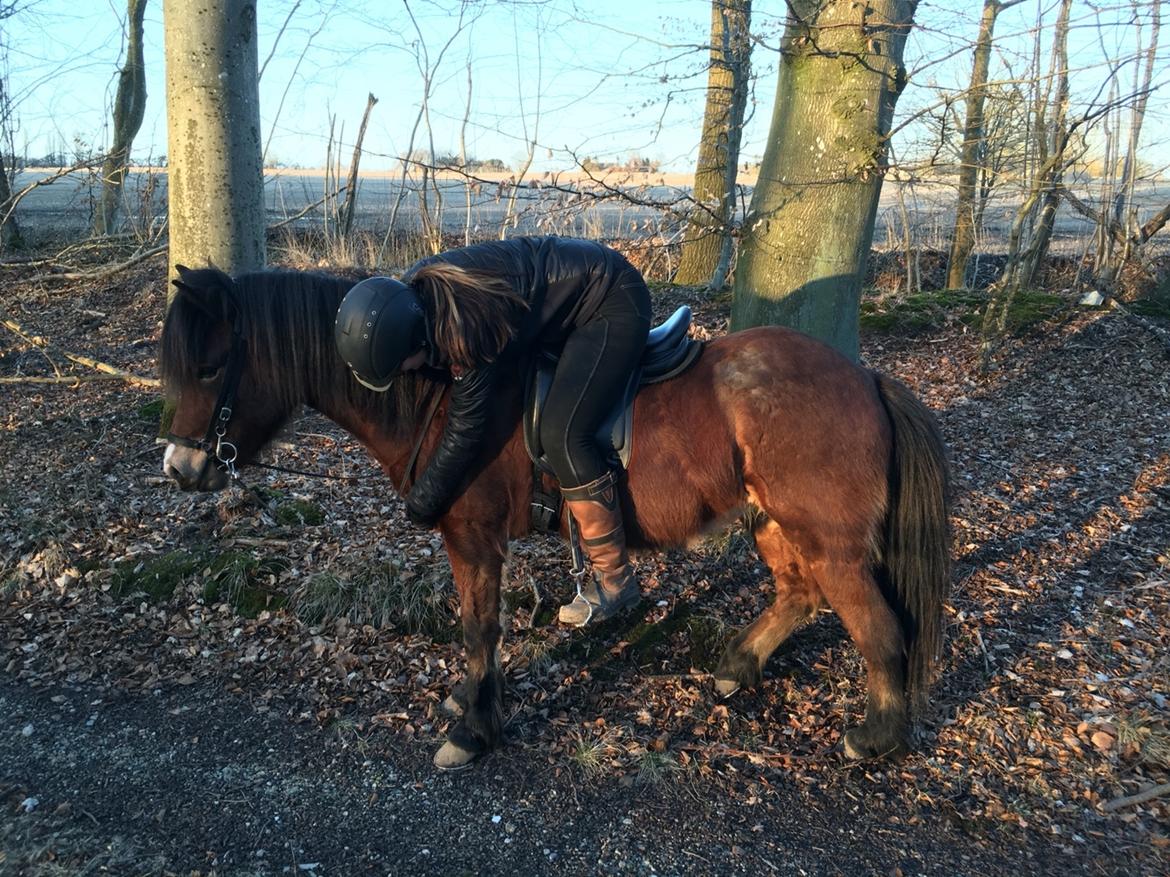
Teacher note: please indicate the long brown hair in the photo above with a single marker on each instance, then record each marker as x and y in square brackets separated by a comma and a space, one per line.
[474, 314]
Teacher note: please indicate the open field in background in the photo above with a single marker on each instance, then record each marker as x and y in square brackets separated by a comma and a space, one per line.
[567, 203]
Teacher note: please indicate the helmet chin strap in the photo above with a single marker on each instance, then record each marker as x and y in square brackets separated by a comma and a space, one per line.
[382, 388]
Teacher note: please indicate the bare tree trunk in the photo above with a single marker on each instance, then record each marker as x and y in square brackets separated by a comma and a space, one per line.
[1024, 256]
[352, 181]
[715, 174]
[807, 234]
[467, 184]
[1124, 218]
[129, 107]
[1057, 139]
[963, 239]
[10, 237]
[214, 175]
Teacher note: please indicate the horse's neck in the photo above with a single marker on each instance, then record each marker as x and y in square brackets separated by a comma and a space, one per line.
[390, 447]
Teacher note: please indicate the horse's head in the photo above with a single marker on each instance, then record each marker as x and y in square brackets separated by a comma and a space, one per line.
[223, 414]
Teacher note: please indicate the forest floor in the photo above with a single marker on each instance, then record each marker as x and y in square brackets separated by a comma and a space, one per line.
[249, 683]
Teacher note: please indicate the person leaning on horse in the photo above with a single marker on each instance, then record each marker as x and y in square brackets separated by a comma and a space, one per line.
[476, 311]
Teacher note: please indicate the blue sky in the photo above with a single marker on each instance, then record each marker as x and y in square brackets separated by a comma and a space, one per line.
[612, 78]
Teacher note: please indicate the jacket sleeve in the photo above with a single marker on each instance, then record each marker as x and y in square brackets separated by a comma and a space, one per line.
[467, 418]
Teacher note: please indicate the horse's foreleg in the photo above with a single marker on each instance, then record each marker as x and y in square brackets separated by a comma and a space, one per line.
[477, 558]
[797, 600]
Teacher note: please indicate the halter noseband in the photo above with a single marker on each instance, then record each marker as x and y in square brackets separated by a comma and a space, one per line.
[215, 444]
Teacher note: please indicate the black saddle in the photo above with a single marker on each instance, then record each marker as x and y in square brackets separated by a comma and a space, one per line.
[669, 352]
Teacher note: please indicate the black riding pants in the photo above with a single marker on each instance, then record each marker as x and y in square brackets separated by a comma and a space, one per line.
[595, 365]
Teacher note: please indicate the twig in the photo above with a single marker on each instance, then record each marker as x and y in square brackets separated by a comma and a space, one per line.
[88, 362]
[311, 207]
[1140, 798]
[104, 272]
[983, 648]
[536, 603]
[60, 379]
[260, 542]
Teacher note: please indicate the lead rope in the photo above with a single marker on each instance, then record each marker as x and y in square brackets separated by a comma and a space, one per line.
[418, 442]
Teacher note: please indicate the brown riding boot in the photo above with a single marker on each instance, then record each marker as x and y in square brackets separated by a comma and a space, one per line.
[613, 586]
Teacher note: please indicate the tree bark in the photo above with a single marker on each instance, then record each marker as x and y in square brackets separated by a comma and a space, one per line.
[1024, 259]
[10, 237]
[351, 185]
[715, 173]
[808, 230]
[214, 174]
[1124, 214]
[963, 239]
[1057, 140]
[129, 107]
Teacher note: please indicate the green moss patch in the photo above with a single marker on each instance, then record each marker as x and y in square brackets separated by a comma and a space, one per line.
[924, 310]
[248, 583]
[152, 411]
[1031, 307]
[156, 577]
[1154, 306]
[299, 513]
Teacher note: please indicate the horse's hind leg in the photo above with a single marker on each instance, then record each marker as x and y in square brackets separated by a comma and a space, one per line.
[797, 599]
[854, 595]
[477, 557]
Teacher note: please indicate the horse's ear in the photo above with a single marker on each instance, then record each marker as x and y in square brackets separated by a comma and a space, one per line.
[209, 289]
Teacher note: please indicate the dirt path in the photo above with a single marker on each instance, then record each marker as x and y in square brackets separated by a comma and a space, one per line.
[194, 779]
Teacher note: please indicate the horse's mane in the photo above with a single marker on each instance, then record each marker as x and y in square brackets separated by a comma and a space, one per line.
[287, 318]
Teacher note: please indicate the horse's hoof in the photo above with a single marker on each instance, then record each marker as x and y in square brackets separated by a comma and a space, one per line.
[853, 747]
[725, 688]
[451, 706]
[859, 746]
[451, 757]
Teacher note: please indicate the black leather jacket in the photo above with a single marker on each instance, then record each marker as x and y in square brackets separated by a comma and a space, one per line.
[564, 281]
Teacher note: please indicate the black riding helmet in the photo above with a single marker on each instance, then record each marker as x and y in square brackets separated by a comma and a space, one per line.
[380, 323]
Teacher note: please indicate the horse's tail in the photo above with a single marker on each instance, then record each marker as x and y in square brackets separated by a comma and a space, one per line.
[915, 552]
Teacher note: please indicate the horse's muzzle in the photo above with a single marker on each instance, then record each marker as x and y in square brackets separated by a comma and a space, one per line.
[190, 469]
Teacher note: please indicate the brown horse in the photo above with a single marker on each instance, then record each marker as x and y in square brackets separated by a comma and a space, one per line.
[844, 469]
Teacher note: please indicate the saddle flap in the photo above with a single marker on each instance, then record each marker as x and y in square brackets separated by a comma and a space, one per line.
[668, 353]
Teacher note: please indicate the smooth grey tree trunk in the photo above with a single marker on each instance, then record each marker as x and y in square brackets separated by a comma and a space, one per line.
[129, 108]
[807, 234]
[214, 176]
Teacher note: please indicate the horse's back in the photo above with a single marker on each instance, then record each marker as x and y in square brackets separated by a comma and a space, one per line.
[768, 416]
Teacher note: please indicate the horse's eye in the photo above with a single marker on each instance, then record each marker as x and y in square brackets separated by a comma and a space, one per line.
[209, 373]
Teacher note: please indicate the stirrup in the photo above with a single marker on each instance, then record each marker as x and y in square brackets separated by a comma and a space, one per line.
[602, 608]
[579, 598]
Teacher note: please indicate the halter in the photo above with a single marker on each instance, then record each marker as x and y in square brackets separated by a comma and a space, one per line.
[215, 444]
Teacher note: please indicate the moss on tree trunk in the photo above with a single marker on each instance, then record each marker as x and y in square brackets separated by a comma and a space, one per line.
[808, 230]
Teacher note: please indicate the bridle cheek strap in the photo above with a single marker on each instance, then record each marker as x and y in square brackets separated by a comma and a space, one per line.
[215, 444]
